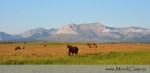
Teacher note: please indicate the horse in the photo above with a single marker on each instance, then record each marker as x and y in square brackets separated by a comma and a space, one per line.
[45, 45]
[72, 49]
[89, 45]
[92, 45]
[23, 47]
[17, 48]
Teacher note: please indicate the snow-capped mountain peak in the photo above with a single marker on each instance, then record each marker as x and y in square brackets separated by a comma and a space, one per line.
[68, 29]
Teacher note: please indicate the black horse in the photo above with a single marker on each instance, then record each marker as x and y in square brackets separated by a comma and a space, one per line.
[72, 49]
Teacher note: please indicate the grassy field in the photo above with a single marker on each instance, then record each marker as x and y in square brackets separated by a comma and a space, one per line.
[56, 53]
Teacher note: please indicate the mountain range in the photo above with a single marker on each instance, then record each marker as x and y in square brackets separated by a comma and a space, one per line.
[87, 32]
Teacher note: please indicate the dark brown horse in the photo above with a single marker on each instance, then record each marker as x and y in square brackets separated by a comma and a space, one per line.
[45, 45]
[72, 49]
[18, 48]
[23, 47]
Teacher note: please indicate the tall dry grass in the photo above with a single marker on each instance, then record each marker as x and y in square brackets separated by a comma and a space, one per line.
[56, 53]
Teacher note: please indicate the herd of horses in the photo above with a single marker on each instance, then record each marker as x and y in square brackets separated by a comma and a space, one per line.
[71, 49]
[91, 45]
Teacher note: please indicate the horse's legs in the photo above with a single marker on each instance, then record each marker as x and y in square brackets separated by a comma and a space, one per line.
[76, 53]
[68, 53]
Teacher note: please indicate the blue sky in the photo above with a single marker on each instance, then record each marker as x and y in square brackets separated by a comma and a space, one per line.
[17, 16]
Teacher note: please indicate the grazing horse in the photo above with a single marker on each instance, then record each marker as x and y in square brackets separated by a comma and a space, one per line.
[92, 45]
[72, 49]
[17, 48]
[45, 45]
